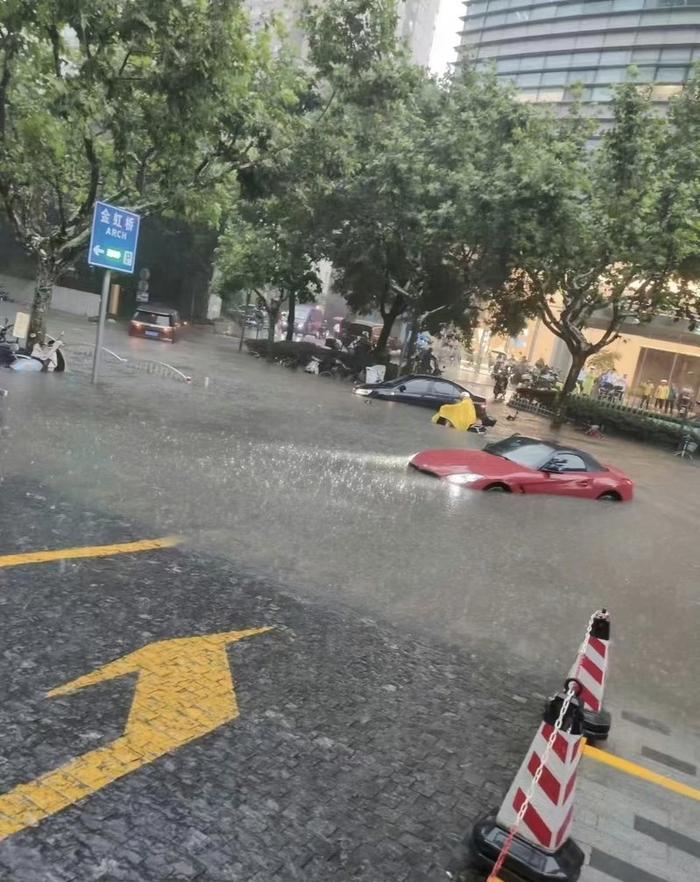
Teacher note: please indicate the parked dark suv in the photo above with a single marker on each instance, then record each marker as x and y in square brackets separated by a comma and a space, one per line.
[156, 322]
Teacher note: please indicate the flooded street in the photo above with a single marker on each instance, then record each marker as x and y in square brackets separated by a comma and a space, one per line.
[295, 479]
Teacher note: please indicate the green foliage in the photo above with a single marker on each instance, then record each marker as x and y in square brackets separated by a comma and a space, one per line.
[604, 232]
[152, 105]
[603, 361]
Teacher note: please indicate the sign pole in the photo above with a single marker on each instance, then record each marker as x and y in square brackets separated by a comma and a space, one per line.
[101, 324]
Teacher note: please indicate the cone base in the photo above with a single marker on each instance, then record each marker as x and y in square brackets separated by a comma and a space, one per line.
[596, 726]
[525, 862]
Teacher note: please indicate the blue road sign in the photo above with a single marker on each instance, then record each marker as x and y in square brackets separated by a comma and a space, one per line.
[115, 235]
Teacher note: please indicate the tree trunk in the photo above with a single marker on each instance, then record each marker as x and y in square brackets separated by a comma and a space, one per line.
[43, 291]
[578, 359]
[411, 345]
[291, 317]
[271, 322]
[388, 319]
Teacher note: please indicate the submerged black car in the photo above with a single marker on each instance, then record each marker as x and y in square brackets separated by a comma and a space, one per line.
[420, 389]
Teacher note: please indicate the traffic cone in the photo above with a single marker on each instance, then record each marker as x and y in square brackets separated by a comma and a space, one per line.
[540, 849]
[591, 670]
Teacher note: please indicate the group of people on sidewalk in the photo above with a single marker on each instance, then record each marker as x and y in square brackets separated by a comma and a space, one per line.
[665, 397]
[662, 396]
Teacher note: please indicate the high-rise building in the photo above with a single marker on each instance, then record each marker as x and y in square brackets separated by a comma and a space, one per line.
[547, 47]
[416, 25]
[417, 20]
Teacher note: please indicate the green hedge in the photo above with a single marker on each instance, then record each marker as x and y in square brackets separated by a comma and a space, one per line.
[646, 425]
[643, 424]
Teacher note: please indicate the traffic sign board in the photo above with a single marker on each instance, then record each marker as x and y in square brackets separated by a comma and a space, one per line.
[115, 235]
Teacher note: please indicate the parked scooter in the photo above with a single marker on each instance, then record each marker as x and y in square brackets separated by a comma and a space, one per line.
[45, 357]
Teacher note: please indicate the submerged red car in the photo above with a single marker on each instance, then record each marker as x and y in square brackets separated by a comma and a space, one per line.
[527, 465]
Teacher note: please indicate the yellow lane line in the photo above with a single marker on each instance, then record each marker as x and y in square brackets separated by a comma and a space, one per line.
[623, 765]
[32, 557]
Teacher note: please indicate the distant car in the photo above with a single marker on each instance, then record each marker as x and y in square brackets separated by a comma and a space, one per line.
[420, 389]
[156, 322]
[528, 465]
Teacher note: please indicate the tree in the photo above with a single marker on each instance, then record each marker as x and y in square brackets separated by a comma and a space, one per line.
[417, 219]
[147, 104]
[263, 254]
[604, 233]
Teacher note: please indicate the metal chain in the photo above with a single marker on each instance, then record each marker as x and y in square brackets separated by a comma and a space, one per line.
[570, 694]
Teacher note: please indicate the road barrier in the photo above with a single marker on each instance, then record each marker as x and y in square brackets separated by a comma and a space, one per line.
[591, 669]
[528, 838]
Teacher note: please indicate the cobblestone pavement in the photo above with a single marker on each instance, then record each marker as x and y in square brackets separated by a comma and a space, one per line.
[358, 753]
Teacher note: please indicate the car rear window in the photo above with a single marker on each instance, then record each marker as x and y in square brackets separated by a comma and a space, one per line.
[152, 318]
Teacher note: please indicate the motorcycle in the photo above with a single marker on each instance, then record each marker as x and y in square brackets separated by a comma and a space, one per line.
[45, 357]
[426, 363]
[500, 386]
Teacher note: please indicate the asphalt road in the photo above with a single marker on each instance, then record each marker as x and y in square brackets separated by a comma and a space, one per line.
[416, 628]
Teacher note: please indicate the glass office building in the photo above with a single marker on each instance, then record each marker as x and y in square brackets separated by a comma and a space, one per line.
[548, 47]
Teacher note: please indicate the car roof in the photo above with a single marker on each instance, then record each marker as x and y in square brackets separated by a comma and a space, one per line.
[425, 377]
[156, 308]
[556, 445]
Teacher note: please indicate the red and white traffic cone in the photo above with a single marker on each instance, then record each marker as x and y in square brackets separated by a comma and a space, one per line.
[591, 671]
[528, 840]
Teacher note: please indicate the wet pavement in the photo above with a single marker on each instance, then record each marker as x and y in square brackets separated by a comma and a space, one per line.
[414, 625]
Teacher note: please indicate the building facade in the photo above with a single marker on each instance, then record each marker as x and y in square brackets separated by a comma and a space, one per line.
[417, 20]
[547, 48]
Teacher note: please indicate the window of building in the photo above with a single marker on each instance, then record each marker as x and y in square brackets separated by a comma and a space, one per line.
[681, 53]
[507, 65]
[601, 93]
[616, 56]
[563, 60]
[671, 74]
[639, 55]
[583, 59]
[610, 75]
[644, 74]
[528, 79]
[581, 76]
[531, 62]
[553, 78]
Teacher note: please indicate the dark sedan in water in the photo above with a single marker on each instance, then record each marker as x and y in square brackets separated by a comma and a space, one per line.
[420, 389]
[425, 391]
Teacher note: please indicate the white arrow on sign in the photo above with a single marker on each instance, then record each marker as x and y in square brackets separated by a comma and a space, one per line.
[98, 250]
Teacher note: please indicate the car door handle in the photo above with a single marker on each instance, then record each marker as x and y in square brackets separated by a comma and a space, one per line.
[582, 483]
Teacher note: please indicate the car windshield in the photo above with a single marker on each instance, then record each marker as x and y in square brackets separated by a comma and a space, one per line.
[152, 318]
[523, 451]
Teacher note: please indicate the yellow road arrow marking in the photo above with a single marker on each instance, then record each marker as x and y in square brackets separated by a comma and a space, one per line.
[32, 557]
[184, 691]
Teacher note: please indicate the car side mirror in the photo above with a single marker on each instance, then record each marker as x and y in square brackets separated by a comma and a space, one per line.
[402, 388]
[552, 468]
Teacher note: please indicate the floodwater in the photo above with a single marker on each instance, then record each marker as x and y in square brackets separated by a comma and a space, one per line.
[300, 481]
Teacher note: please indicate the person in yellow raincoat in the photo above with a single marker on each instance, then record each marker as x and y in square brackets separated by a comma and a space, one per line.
[461, 416]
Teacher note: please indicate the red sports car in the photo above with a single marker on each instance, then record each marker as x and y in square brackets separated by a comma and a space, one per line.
[526, 465]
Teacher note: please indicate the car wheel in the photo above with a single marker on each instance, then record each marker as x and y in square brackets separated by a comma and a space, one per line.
[497, 488]
[326, 374]
[610, 496]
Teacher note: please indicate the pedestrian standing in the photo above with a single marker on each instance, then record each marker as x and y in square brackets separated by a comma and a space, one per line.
[671, 400]
[661, 395]
[646, 390]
